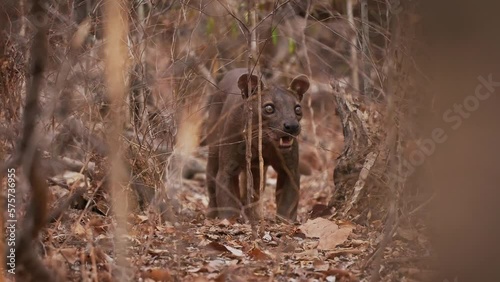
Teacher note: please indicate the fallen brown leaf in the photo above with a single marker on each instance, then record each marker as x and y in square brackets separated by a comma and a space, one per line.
[329, 233]
[335, 253]
[223, 248]
[330, 241]
[215, 265]
[216, 246]
[318, 227]
[320, 265]
[307, 255]
[257, 254]
[157, 274]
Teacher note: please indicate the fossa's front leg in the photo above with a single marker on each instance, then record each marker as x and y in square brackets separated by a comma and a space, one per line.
[252, 208]
[288, 185]
[212, 170]
[227, 182]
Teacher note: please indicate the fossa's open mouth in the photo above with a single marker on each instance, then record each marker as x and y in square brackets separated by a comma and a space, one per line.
[286, 142]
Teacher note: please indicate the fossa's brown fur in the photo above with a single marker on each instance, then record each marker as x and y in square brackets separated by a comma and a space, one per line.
[281, 114]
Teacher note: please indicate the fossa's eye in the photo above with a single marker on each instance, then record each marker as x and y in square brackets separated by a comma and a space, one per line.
[269, 108]
[298, 110]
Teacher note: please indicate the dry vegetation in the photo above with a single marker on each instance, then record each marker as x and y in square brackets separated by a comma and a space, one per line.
[106, 105]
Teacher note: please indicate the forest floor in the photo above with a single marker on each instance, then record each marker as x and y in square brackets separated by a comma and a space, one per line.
[322, 246]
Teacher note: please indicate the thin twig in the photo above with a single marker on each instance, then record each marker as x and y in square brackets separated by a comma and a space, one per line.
[251, 41]
[354, 51]
[365, 44]
[259, 113]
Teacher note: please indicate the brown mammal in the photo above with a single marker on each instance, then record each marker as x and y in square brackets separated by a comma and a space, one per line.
[281, 114]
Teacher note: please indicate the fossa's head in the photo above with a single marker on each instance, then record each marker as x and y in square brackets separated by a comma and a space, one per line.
[281, 109]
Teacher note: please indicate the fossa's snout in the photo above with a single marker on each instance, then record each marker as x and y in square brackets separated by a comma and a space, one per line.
[292, 128]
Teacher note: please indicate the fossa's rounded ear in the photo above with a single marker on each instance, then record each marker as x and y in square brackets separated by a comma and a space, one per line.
[299, 85]
[243, 84]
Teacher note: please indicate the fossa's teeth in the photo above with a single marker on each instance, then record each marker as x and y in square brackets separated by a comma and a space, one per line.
[288, 142]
